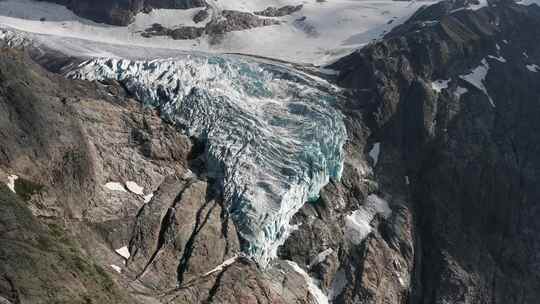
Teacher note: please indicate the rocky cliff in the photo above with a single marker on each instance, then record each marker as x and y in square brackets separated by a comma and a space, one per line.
[452, 96]
[122, 12]
[437, 201]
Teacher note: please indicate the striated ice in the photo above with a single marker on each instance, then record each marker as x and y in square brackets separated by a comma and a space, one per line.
[273, 137]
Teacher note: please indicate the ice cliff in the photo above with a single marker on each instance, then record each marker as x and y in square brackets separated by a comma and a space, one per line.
[273, 138]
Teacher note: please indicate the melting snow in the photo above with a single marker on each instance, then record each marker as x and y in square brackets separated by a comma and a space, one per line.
[116, 268]
[477, 78]
[222, 266]
[500, 58]
[375, 152]
[321, 257]
[114, 186]
[338, 284]
[135, 188]
[148, 197]
[313, 288]
[124, 252]
[358, 224]
[533, 68]
[11, 182]
[439, 85]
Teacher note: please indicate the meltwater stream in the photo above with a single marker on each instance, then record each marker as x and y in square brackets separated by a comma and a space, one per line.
[273, 137]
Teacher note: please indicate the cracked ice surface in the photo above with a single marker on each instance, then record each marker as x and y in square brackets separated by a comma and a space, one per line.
[273, 137]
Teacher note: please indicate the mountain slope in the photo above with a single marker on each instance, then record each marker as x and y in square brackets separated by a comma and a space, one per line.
[436, 202]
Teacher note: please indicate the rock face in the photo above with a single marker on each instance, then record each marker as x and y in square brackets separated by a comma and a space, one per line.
[279, 12]
[227, 21]
[181, 33]
[77, 229]
[121, 12]
[437, 201]
[453, 99]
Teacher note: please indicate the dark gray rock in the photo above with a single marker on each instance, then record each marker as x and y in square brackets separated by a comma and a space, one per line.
[121, 12]
[472, 167]
[180, 33]
[280, 12]
[230, 21]
[201, 15]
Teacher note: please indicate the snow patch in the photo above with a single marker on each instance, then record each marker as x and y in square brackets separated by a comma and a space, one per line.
[439, 85]
[343, 26]
[124, 252]
[477, 78]
[460, 91]
[116, 268]
[313, 288]
[533, 68]
[11, 182]
[114, 186]
[321, 257]
[135, 188]
[358, 224]
[148, 197]
[222, 266]
[375, 152]
[499, 58]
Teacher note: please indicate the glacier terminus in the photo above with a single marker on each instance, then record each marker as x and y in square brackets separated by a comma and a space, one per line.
[273, 136]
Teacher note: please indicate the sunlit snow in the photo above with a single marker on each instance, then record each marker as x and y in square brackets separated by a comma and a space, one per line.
[134, 187]
[115, 186]
[11, 182]
[358, 224]
[124, 252]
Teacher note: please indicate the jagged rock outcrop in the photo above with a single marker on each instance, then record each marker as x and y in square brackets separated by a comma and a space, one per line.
[452, 98]
[107, 204]
[121, 12]
[227, 21]
[437, 202]
[279, 12]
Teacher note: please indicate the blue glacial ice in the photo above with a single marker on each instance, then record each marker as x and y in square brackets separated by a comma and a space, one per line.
[273, 136]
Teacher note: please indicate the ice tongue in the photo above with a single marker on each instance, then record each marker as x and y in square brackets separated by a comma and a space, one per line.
[272, 134]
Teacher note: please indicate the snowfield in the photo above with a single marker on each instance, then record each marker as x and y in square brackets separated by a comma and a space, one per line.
[329, 30]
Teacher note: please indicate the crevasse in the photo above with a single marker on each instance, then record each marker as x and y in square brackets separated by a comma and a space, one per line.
[273, 137]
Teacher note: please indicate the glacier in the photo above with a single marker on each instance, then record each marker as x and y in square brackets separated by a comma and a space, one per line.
[273, 135]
